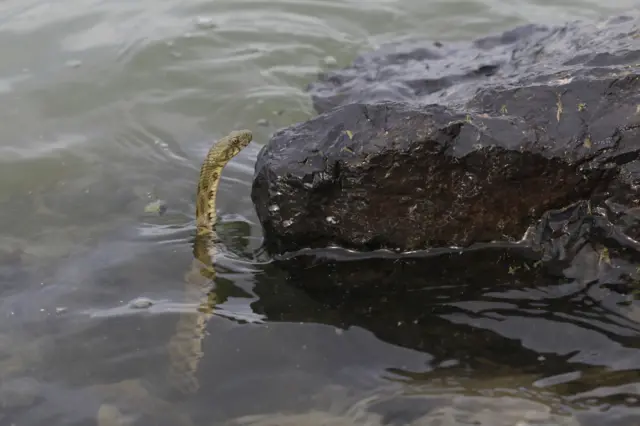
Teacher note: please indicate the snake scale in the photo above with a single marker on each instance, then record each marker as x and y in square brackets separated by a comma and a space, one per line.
[185, 347]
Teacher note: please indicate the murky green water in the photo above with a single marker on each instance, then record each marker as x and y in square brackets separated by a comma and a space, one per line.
[106, 106]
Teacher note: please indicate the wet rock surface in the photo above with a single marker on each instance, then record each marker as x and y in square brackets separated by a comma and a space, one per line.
[429, 144]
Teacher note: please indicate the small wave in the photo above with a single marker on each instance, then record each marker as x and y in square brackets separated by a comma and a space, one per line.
[240, 312]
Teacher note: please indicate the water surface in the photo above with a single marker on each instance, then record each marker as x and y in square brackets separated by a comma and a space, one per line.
[108, 106]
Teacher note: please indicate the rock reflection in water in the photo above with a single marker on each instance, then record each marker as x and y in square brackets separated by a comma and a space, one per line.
[542, 332]
[555, 324]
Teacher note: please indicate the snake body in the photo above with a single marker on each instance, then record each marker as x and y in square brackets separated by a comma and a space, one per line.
[185, 347]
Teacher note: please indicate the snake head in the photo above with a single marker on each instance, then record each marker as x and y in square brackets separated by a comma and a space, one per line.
[235, 142]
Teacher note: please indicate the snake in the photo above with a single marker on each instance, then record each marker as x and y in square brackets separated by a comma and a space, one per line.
[185, 346]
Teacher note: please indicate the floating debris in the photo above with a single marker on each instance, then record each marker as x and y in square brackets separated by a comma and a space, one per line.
[141, 303]
[330, 61]
[205, 22]
[156, 207]
[262, 122]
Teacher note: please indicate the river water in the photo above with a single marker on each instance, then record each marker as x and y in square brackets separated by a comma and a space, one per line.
[110, 106]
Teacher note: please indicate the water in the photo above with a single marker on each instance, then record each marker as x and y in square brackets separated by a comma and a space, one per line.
[108, 106]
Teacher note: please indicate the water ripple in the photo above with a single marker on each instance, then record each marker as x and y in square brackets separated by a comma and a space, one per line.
[110, 105]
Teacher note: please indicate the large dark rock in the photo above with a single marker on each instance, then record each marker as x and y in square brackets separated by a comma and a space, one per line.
[427, 145]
